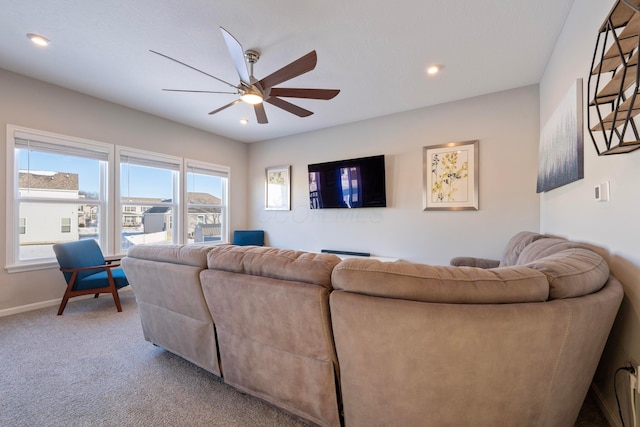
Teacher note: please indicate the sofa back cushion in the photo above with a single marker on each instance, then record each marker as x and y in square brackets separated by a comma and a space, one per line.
[571, 268]
[516, 245]
[442, 284]
[282, 264]
[195, 256]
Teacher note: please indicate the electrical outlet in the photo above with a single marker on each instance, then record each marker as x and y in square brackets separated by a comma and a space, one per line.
[634, 376]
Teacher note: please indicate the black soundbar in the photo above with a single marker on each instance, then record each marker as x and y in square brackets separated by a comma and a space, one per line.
[333, 251]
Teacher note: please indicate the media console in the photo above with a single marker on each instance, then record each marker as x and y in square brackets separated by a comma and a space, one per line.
[334, 251]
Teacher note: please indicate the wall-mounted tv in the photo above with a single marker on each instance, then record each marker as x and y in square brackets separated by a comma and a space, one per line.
[353, 183]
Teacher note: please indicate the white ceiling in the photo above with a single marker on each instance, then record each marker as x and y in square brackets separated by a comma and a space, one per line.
[375, 51]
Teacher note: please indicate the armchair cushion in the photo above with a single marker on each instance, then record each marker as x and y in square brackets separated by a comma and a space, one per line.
[99, 280]
[248, 237]
[80, 254]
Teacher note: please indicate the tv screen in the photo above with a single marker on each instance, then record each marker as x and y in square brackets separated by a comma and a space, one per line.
[353, 183]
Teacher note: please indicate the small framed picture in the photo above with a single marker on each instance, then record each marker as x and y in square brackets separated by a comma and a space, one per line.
[450, 176]
[278, 188]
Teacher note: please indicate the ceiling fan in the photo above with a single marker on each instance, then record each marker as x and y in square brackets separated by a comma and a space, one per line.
[254, 91]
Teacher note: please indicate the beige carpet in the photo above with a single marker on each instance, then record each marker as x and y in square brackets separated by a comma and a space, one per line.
[92, 367]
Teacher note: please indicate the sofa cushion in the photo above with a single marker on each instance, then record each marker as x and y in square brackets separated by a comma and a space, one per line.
[442, 284]
[195, 256]
[516, 245]
[275, 263]
[571, 268]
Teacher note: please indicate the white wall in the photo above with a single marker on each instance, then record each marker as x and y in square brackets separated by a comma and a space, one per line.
[570, 211]
[505, 123]
[37, 105]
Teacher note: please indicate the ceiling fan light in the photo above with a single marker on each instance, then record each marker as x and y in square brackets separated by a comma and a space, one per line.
[251, 98]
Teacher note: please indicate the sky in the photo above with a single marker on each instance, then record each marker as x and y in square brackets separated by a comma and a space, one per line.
[136, 181]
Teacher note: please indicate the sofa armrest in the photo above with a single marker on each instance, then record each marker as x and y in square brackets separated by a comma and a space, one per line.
[465, 261]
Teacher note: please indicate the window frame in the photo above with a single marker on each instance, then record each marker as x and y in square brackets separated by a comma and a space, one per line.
[212, 169]
[149, 158]
[65, 226]
[109, 202]
[13, 263]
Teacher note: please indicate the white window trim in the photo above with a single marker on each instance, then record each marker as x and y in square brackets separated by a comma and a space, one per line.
[12, 261]
[110, 204]
[176, 198]
[211, 167]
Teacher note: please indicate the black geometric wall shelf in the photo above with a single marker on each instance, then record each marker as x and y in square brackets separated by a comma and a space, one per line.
[613, 84]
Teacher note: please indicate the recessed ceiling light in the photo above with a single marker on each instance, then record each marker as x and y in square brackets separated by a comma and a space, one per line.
[244, 121]
[434, 69]
[38, 39]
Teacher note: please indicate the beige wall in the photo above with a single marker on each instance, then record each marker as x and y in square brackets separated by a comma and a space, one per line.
[571, 211]
[37, 105]
[505, 123]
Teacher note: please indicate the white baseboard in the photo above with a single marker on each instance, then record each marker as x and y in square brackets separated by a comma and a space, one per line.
[44, 304]
[29, 307]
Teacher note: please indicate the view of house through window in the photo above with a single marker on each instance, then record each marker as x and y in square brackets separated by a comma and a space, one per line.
[148, 196]
[206, 203]
[52, 189]
[60, 188]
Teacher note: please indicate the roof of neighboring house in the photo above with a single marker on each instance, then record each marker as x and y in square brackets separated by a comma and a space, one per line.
[202, 198]
[158, 210]
[193, 197]
[45, 180]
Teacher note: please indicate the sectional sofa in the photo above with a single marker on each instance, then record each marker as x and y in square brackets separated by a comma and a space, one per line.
[359, 342]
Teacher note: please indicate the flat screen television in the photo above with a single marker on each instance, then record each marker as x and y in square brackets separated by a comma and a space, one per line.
[353, 183]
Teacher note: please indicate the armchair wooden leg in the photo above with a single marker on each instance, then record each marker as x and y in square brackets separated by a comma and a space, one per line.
[96, 295]
[65, 297]
[114, 291]
[63, 304]
[116, 299]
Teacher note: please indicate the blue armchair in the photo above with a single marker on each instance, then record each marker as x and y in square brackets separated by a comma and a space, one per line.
[248, 237]
[86, 271]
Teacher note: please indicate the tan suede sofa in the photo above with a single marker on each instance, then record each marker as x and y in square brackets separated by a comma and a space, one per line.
[272, 335]
[360, 342]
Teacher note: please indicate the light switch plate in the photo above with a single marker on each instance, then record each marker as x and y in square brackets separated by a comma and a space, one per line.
[601, 192]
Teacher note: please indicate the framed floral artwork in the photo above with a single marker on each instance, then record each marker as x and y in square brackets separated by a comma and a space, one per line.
[450, 173]
[278, 188]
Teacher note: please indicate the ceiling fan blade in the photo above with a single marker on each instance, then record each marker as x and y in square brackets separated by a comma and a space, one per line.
[237, 56]
[261, 115]
[287, 106]
[299, 66]
[304, 93]
[197, 91]
[225, 106]
[193, 68]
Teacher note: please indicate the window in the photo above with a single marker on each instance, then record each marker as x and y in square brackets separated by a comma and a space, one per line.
[206, 194]
[149, 184]
[56, 181]
[60, 187]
